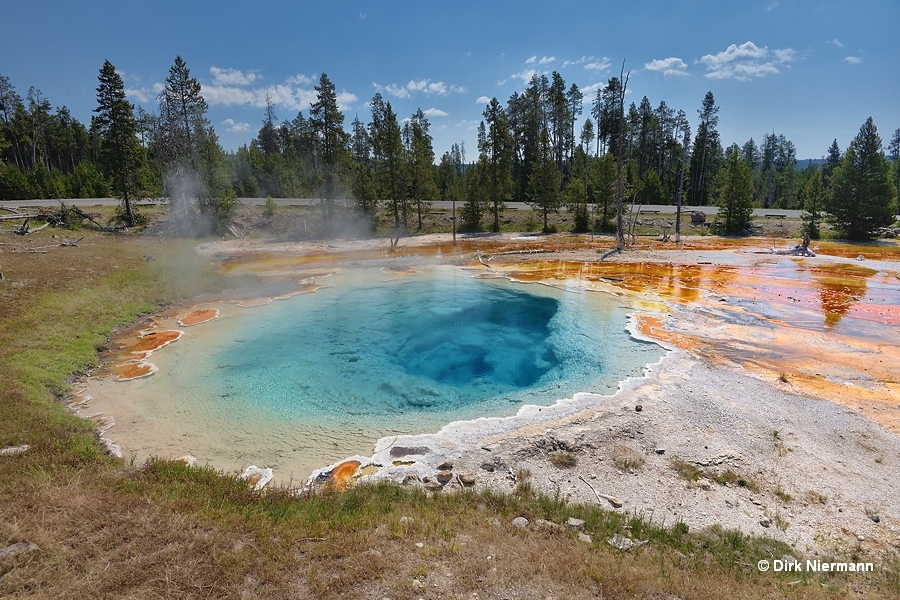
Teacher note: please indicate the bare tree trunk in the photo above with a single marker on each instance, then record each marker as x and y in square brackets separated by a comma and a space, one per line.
[620, 159]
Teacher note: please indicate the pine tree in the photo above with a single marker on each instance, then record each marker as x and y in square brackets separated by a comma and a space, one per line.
[543, 183]
[706, 150]
[495, 153]
[733, 189]
[182, 118]
[179, 138]
[119, 147]
[832, 162]
[420, 161]
[387, 151]
[862, 194]
[814, 205]
[327, 122]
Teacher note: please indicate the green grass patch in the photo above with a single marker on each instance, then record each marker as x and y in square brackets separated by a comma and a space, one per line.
[693, 473]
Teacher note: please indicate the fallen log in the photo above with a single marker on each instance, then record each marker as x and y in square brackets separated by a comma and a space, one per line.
[801, 249]
[17, 216]
[25, 230]
[72, 243]
[101, 227]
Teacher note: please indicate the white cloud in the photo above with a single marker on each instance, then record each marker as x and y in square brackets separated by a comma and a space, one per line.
[435, 112]
[592, 63]
[667, 66]
[299, 79]
[139, 94]
[853, 60]
[785, 55]
[395, 90]
[345, 100]
[294, 94]
[598, 65]
[746, 61]
[525, 75]
[232, 76]
[746, 51]
[836, 42]
[424, 86]
[590, 91]
[546, 60]
[482, 100]
[233, 127]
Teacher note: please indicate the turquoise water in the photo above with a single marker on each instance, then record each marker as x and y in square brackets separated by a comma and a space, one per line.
[380, 347]
[302, 382]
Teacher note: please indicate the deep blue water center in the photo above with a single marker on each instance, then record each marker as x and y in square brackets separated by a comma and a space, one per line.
[381, 349]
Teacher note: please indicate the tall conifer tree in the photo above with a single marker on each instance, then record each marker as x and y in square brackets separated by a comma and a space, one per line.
[119, 147]
[862, 194]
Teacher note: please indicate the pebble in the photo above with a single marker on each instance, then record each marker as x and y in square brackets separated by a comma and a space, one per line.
[583, 537]
[547, 524]
[18, 548]
[660, 451]
[620, 541]
[612, 500]
[488, 466]
[765, 522]
[420, 544]
[467, 478]
[13, 450]
[639, 408]
[444, 477]
[520, 522]
[575, 523]
[405, 520]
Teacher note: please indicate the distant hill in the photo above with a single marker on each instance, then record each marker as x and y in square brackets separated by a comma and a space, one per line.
[805, 163]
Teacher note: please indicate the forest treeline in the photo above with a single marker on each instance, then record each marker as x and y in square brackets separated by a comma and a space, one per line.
[533, 148]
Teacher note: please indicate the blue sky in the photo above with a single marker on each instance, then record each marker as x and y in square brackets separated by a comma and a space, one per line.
[810, 70]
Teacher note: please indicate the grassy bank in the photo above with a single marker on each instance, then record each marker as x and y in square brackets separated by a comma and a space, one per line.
[104, 528]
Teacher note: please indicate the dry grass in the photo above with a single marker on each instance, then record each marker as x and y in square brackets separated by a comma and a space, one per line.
[627, 459]
[692, 473]
[162, 530]
[563, 460]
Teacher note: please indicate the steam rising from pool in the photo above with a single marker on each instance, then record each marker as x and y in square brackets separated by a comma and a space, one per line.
[311, 379]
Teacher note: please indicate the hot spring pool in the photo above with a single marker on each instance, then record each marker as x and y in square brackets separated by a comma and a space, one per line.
[299, 383]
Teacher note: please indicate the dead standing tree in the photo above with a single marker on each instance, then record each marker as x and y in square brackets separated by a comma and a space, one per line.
[620, 162]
